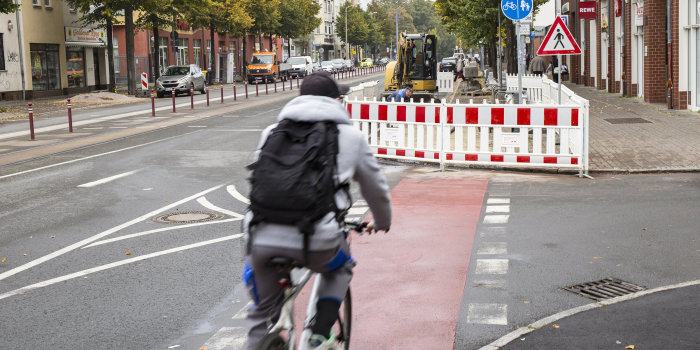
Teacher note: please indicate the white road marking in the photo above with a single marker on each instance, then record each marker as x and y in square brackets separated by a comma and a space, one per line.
[118, 127]
[97, 128]
[492, 231]
[90, 157]
[101, 235]
[498, 201]
[496, 314]
[496, 219]
[164, 229]
[502, 341]
[357, 210]
[235, 194]
[227, 338]
[196, 126]
[491, 266]
[113, 265]
[498, 209]
[242, 313]
[490, 248]
[238, 130]
[203, 201]
[108, 179]
[360, 202]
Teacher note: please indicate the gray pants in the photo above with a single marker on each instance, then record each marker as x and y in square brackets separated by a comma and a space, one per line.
[334, 266]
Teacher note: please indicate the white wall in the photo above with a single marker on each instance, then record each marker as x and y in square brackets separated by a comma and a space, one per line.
[11, 77]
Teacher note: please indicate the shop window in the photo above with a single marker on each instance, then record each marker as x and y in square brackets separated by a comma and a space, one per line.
[163, 52]
[47, 3]
[45, 66]
[115, 54]
[2, 51]
[232, 48]
[181, 57]
[75, 67]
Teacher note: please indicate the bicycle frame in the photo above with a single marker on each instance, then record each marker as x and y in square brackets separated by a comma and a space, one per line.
[286, 319]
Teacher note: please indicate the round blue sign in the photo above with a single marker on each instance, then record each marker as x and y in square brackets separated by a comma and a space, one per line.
[516, 9]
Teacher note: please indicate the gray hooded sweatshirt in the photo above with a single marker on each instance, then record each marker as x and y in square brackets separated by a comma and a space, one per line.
[355, 161]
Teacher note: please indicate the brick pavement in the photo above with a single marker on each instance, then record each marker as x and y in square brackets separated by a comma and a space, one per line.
[668, 141]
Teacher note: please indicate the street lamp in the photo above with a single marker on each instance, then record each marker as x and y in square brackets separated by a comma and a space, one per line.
[347, 46]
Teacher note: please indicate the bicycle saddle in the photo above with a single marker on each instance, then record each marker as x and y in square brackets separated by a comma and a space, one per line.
[282, 262]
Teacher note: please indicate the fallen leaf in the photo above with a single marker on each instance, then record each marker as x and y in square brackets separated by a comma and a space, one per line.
[555, 326]
[590, 262]
[128, 253]
[53, 236]
[597, 257]
[619, 265]
[618, 342]
[526, 301]
[25, 254]
[4, 259]
[644, 229]
[629, 347]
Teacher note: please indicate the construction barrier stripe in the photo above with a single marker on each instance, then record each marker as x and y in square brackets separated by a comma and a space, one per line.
[407, 153]
[476, 157]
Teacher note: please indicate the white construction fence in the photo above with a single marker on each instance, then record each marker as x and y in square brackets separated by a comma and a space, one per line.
[525, 135]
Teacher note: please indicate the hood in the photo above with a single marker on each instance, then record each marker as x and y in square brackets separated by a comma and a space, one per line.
[259, 66]
[310, 108]
[171, 77]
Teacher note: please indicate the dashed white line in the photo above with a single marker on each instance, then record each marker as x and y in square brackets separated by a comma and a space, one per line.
[496, 219]
[108, 179]
[495, 314]
[227, 338]
[491, 266]
[357, 210]
[498, 201]
[498, 209]
[490, 284]
[492, 248]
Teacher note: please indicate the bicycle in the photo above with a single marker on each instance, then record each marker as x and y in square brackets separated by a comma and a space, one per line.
[275, 337]
[509, 6]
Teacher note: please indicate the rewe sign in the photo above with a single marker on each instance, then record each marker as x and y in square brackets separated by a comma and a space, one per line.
[587, 10]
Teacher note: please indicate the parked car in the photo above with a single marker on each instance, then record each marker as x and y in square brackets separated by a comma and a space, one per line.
[180, 79]
[366, 63]
[297, 66]
[349, 66]
[339, 65]
[448, 64]
[383, 60]
[328, 66]
[317, 67]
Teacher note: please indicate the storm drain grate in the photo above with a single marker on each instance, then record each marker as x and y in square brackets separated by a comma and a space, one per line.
[605, 289]
[188, 217]
[627, 120]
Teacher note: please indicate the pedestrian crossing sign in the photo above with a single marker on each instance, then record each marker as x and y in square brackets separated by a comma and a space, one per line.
[559, 41]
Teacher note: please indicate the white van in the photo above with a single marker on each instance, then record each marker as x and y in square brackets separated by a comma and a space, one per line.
[297, 66]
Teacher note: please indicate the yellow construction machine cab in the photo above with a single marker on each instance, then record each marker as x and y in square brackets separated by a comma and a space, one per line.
[416, 66]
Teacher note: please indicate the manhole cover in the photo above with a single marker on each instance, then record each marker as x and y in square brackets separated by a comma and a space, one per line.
[605, 289]
[188, 217]
[627, 120]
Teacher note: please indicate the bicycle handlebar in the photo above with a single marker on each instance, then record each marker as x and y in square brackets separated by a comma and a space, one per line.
[356, 226]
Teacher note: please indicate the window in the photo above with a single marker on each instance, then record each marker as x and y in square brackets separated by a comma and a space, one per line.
[197, 51]
[36, 3]
[163, 51]
[115, 53]
[46, 71]
[75, 66]
[181, 57]
[47, 3]
[2, 51]
[208, 63]
[232, 49]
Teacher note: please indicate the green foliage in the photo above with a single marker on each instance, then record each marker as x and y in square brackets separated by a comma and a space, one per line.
[7, 6]
[265, 15]
[357, 24]
[297, 18]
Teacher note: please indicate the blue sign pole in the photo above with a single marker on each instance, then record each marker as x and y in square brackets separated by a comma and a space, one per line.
[517, 10]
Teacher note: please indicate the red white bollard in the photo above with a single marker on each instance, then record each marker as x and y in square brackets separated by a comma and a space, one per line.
[31, 121]
[70, 118]
[266, 92]
[283, 83]
[191, 97]
[256, 89]
[173, 93]
[290, 84]
[222, 93]
[246, 89]
[206, 87]
[234, 90]
[297, 81]
[153, 104]
[275, 82]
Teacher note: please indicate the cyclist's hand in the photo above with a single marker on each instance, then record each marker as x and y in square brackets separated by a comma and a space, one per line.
[370, 228]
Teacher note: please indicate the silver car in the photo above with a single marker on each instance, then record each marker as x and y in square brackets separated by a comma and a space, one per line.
[180, 79]
[328, 66]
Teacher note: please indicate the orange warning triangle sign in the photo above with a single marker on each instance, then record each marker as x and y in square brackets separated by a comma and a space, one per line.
[559, 41]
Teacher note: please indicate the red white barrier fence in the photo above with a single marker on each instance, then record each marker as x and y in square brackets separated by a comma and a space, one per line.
[486, 134]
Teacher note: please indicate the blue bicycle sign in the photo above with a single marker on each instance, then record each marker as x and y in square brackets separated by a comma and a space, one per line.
[516, 9]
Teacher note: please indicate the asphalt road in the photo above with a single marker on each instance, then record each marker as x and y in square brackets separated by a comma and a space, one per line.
[86, 265]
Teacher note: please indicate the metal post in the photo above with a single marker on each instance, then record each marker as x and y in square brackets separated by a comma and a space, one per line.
[70, 118]
[191, 97]
[297, 81]
[222, 93]
[256, 89]
[153, 104]
[290, 84]
[206, 88]
[245, 83]
[234, 91]
[500, 46]
[173, 93]
[282, 84]
[520, 66]
[266, 93]
[31, 121]
[275, 82]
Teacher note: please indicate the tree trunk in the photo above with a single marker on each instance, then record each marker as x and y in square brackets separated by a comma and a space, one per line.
[512, 49]
[244, 66]
[212, 56]
[156, 50]
[110, 56]
[289, 48]
[130, 59]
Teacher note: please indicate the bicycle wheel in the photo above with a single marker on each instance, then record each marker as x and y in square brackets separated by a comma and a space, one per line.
[272, 341]
[342, 326]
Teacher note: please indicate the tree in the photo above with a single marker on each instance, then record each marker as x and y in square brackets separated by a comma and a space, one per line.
[298, 18]
[265, 14]
[8, 6]
[158, 14]
[358, 28]
[217, 15]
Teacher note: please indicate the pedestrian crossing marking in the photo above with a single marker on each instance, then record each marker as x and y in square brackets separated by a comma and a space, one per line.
[491, 266]
[494, 314]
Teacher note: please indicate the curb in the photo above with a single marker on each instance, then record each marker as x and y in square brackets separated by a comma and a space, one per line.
[506, 339]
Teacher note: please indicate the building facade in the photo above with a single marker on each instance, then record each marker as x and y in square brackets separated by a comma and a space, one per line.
[645, 48]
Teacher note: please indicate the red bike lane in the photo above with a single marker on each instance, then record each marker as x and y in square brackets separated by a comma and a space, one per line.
[408, 284]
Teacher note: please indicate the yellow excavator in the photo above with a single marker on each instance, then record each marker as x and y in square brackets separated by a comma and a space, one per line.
[416, 67]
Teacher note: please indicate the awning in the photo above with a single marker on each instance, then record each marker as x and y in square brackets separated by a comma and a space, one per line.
[84, 44]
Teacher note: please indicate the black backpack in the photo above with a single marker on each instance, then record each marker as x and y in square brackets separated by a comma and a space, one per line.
[294, 180]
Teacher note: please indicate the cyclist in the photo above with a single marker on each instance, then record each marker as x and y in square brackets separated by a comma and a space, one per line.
[328, 252]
